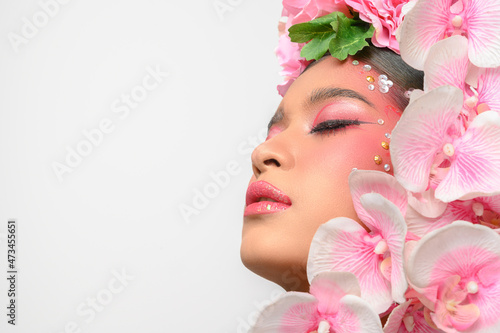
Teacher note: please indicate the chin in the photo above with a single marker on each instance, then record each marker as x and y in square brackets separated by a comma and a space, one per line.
[270, 260]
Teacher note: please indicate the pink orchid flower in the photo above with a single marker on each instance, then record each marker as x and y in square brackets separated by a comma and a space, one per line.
[332, 305]
[430, 140]
[409, 317]
[480, 210]
[478, 20]
[457, 268]
[375, 257]
[448, 64]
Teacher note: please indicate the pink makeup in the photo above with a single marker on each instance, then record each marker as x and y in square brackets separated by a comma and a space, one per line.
[273, 131]
[340, 110]
[264, 198]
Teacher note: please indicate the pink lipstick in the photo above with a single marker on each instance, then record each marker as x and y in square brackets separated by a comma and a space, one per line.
[264, 198]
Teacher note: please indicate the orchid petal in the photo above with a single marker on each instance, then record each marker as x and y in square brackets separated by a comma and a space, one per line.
[420, 135]
[293, 312]
[396, 323]
[456, 210]
[418, 224]
[488, 87]
[356, 316]
[464, 245]
[476, 168]
[426, 204]
[416, 94]
[488, 300]
[492, 202]
[447, 63]
[461, 319]
[409, 246]
[483, 20]
[368, 181]
[419, 30]
[342, 244]
[330, 287]
[392, 227]
[395, 319]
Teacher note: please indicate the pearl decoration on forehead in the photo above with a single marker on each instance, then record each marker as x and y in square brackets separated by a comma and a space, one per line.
[384, 84]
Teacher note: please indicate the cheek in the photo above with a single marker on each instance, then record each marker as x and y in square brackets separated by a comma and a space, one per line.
[336, 156]
[327, 164]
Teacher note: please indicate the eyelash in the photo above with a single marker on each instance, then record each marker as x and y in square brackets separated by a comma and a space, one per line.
[330, 126]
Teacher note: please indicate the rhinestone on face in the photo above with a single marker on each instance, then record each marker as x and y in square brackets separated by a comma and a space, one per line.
[377, 159]
[387, 167]
[382, 77]
[371, 87]
[380, 121]
[384, 89]
[355, 62]
[408, 92]
[390, 108]
[385, 145]
[367, 68]
[389, 83]
[388, 135]
[370, 79]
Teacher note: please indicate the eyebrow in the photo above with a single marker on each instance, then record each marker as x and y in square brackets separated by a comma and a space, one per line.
[322, 94]
[319, 95]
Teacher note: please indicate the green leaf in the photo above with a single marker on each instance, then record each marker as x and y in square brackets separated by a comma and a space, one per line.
[317, 47]
[317, 28]
[350, 37]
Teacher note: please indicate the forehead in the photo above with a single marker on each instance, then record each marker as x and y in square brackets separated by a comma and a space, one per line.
[333, 73]
[331, 79]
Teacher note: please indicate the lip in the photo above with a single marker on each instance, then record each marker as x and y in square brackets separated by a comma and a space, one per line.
[263, 189]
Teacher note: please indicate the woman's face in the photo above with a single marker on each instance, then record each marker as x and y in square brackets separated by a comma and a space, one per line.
[328, 123]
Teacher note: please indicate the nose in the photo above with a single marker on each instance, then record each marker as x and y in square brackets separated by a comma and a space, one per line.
[274, 153]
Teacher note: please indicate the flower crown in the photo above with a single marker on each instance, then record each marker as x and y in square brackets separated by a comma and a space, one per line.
[432, 256]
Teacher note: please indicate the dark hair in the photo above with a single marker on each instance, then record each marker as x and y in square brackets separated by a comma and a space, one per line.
[385, 61]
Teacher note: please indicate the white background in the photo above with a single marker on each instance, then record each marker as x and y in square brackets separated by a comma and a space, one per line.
[118, 210]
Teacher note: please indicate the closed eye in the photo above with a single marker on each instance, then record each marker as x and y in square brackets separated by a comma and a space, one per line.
[333, 125]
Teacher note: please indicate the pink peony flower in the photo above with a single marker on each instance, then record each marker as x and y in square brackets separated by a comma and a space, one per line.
[385, 15]
[289, 58]
[300, 11]
[288, 53]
